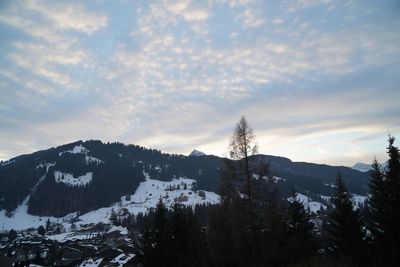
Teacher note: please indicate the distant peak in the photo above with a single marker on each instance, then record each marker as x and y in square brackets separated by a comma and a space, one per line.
[364, 167]
[196, 153]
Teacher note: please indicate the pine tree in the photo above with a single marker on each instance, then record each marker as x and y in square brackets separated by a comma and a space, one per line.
[299, 231]
[12, 234]
[41, 230]
[153, 247]
[384, 207]
[345, 228]
[114, 218]
[48, 225]
[392, 204]
[187, 244]
[376, 203]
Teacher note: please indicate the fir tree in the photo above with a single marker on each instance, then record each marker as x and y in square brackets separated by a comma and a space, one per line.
[48, 225]
[12, 234]
[345, 228]
[300, 234]
[114, 218]
[384, 205]
[153, 247]
[41, 230]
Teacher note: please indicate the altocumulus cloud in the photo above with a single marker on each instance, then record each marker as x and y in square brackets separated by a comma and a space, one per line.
[318, 80]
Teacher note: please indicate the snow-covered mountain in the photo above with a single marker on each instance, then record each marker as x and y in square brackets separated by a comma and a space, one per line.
[93, 178]
[196, 153]
[364, 167]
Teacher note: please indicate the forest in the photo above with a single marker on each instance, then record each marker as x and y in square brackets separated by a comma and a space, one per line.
[255, 226]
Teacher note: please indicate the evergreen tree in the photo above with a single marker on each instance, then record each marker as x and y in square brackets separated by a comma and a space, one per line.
[248, 219]
[48, 225]
[345, 228]
[384, 205]
[12, 234]
[187, 242]
[391, 213]
[301, 241]
[114, 218]
[376, 203]
[153, 247]
[41, 230]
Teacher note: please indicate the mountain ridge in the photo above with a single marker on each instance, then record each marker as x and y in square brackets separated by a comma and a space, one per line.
[87, 175]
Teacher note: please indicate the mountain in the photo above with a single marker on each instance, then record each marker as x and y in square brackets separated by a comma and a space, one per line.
[364, 167]
[86, 176]
[196, 153]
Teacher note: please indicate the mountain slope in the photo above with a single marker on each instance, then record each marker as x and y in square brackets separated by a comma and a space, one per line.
[85, 176]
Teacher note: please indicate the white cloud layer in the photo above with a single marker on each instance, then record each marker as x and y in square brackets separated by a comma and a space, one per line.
[177, 75]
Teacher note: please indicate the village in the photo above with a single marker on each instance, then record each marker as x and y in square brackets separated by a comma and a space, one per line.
[93, 245]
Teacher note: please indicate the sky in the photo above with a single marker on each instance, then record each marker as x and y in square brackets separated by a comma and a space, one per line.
[318, 80]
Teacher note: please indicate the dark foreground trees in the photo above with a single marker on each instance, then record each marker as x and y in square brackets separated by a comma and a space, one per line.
[172, 238]
[384, 207]
[346, 237]
[255, 226]
[300, 232]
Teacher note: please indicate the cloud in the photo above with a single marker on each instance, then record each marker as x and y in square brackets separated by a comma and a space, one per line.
[66, 16]
[177, 75]
[195, 15]
[51, 46]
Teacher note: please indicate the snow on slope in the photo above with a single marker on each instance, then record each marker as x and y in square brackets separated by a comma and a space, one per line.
[76, 150]
[21, 219]
[91, 263]
[145, 197]
[69, 180]
[4, 163]
[196, 153]
[122, 259]
[358, 200]
[314, 206]
[83, 150]
[364, 167]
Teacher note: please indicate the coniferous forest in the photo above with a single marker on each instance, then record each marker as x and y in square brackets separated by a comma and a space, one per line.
[255, 226]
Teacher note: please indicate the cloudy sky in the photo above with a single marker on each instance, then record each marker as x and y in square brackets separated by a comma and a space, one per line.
[318, 80]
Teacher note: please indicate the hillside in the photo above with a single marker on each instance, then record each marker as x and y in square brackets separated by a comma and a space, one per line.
[85, 176]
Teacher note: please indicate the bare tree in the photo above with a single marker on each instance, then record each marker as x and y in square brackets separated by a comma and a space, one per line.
[242, 146]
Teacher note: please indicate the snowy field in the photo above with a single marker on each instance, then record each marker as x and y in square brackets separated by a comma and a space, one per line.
[145, 197]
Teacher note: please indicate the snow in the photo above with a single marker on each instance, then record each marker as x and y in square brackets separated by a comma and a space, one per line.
[145, 197]
[358, 200]
[196, 153]
[364, 167]
[90, 159]
[70, 180]
[68, 236]
[122, 259]
[274, 179]
[20, 218]
[326, 198]
[277, 179]
[331, 185]
[76, 150]
[313, 206]
[91, 263]
[120, 229]
[83, 150]
[7, 162]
